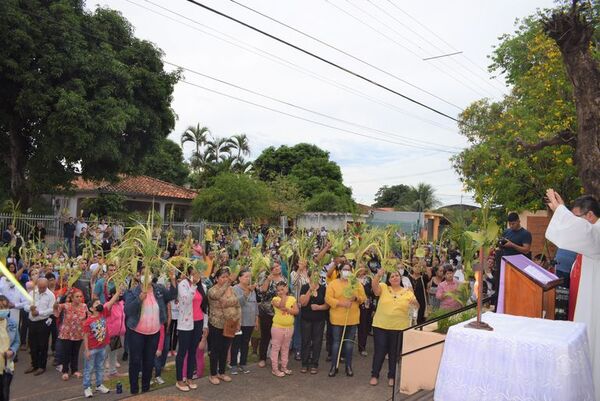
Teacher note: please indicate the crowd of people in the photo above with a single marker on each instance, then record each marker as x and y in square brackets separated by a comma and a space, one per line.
[184, 312]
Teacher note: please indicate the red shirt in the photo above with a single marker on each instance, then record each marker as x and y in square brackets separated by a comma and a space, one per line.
[197, 306]
[95, 330]
[73, 321]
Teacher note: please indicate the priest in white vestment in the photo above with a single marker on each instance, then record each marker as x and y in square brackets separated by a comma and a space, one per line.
[579, 231]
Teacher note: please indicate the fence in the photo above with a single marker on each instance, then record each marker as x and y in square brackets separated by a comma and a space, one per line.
[25, 223]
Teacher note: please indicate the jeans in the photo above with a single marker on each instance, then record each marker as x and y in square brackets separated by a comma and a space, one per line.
[265, 322]
[161, 361]
[280, 345]
[312, 339]
[111, 358]
[70, 355]
[69, 246]
[172, 335]
[297, 337]
[366, 319]
[39, 332]
[240, 345]
[218, 346]
[188, 342]
[347, 345]
[386, 342]
[95, 362]
[142, 350]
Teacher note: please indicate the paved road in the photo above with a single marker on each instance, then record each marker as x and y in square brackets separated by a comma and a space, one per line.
[258, 385]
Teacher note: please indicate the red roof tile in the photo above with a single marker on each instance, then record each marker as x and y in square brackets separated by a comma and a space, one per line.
[137, 185]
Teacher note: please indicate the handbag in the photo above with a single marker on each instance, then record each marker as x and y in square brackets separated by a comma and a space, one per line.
[230, 328]
[115, 343]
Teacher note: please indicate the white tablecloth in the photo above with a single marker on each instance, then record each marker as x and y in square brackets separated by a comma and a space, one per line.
[523, 359]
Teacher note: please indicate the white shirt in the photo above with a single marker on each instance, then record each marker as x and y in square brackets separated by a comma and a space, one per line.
[10, 291]
[44, 303]
[78, 227]
[185, 296]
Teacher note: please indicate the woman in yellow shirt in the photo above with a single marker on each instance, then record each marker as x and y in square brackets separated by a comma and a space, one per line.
[390, 317]
[344, 312]
[282, 330]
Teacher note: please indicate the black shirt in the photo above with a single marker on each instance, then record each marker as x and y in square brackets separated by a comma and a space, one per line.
[68, 230]
[307, 312]
[519, 237]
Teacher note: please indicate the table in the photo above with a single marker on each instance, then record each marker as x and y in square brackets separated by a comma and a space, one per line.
[523, 359]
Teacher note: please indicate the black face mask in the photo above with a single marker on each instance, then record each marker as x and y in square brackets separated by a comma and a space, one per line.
[99, 308]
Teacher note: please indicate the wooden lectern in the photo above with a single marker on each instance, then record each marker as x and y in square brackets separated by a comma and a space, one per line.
[526, 289]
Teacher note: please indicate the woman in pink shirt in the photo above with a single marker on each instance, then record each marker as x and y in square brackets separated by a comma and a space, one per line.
[115, 326]
[445, 288]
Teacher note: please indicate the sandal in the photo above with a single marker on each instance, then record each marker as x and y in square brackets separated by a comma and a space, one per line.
[391, 382]
[65, 376]
[182, 387]
[214, 380]
[278, 373]
[77, 375]
[373, 381]
[191, 384]
[225, 378]
[287, 372]
[262, 364]
[303, 369]
[314, 371]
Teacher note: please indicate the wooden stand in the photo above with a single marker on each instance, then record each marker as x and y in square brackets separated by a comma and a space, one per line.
[527, 293]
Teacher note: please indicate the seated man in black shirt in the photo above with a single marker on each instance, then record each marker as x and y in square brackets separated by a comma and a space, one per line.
[515, 240]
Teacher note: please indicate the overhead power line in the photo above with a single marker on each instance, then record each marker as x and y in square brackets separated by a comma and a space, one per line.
[344, 53]
[293, 115]
[281, 61]
[413, 142]
[331, 63]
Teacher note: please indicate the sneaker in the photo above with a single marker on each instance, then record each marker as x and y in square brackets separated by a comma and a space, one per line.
[102, 389]
[87, 393]
[234, 370]
[58, 368]
[159, 380]
[244, 370]
[363, 353]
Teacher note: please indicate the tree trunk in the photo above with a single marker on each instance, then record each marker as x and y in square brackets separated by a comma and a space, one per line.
[573, 33]
[16, 165]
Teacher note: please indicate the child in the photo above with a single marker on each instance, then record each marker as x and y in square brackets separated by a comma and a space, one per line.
[286, 308]
[95, 340]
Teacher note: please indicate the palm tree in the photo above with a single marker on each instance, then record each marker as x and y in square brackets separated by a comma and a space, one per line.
[198, 137]
[241, 144]
[218, 149]
[425, 197]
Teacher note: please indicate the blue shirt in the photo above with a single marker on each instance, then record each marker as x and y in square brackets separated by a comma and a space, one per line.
[564, 260]
[519, 237]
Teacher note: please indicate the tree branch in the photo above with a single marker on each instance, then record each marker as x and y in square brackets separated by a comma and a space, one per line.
[566, 137]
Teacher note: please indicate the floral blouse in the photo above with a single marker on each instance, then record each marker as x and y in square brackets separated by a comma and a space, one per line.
[72, 321]
[224, 305]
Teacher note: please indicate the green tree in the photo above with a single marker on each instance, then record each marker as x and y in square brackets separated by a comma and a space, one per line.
[286, 198]
[328, 202]
[166, 164]
[231, 198]
[500, 161]
[197, 136]
[425, 198]
[394, 196]
[79, 92]
[241, 145]
[105, 205]
[310, 167]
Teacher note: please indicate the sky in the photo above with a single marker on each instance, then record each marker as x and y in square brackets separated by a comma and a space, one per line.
[377, 137]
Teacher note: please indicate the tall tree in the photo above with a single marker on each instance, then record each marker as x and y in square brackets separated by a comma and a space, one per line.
[241, 145]
[198, 137]
[233, 197]
[166, 164]
[394, 196]
[573, 31]
[425, 198]
[78, 91]
[218, 149]
[311, 169]
[505, 158]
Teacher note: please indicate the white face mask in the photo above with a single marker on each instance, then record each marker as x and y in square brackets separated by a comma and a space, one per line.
[345, 274]
[401, 271]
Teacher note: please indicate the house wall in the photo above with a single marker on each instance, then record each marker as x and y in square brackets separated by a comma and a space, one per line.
[331, 221]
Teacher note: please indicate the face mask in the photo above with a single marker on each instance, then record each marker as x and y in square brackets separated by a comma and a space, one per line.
[345, 274]
[99, 308]
[4, 313]
[401, 271]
